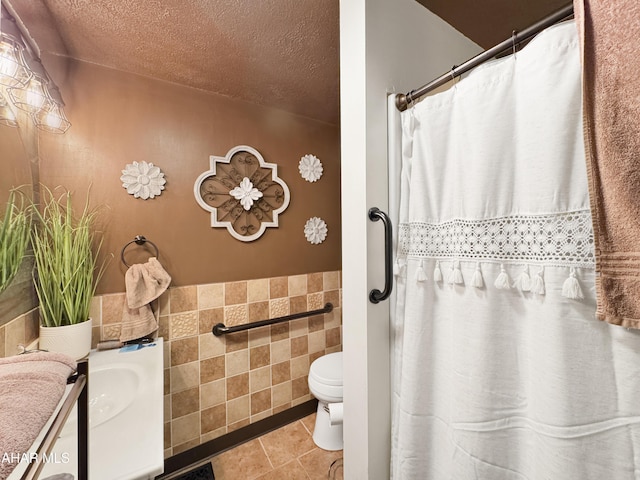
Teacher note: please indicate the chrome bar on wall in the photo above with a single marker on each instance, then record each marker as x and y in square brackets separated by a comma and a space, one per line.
[403, 100]
[220, 328]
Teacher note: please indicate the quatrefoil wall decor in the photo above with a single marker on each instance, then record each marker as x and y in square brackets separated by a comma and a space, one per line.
[243, 193]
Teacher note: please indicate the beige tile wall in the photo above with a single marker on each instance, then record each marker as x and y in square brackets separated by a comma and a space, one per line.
[22, 330]
[214, 385]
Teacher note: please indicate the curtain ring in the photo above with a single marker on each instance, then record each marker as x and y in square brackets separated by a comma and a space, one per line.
[453, 75]
[514, 34]
[409, 98]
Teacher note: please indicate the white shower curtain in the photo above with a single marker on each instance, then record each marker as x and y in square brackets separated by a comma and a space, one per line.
[500, 369]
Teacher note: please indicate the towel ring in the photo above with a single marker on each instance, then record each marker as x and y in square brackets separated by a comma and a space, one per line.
[138, 240]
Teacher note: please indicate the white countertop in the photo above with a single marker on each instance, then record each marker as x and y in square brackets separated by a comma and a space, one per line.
[126, 437]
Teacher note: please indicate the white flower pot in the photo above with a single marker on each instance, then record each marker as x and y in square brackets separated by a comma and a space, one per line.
[72, 340]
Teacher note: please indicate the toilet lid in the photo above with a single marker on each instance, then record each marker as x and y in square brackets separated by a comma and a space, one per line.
[327, 369]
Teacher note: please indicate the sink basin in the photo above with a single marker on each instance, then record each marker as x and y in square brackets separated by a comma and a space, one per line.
[111, 391]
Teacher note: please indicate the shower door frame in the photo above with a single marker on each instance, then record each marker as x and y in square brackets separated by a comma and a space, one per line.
[380, 42]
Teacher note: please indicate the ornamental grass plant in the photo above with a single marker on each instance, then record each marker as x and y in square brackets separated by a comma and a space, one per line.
[14, 238]
[66, 249]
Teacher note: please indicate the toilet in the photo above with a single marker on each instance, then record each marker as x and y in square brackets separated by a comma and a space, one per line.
[325, 384]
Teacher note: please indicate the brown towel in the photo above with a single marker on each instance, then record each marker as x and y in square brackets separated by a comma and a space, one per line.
[144, 283]
[609, 33]
[137, 323]
[31, 385]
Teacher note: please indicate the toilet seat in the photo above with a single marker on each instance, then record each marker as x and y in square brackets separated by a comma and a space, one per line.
[325, 378]
[327, 369]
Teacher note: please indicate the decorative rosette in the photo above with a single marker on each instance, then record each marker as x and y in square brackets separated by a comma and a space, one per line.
[246, 193]
[315, 230]
[143, 180]
[310, 168]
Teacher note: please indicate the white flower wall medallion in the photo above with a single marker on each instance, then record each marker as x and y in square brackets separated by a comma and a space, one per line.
[315, 230]
[246, 193]
[143, 180]
[310, 168]
[243, 193]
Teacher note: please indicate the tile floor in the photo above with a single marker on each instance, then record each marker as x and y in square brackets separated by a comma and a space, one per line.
[284, 454]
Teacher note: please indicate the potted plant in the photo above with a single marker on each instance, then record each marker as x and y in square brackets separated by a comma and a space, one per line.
[66, 272]
[14, 239]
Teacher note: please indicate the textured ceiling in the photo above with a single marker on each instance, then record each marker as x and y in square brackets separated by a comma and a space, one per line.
[282, 53]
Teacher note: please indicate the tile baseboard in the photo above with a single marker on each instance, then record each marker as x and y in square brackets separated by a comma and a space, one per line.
[225, 442]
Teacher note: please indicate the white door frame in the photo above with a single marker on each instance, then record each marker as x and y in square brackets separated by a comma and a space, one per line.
[385, 46]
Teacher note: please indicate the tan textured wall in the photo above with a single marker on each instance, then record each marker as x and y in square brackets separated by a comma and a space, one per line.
[120, 118]
[214, 385]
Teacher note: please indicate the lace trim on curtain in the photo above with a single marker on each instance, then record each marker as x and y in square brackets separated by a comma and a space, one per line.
[557, 239]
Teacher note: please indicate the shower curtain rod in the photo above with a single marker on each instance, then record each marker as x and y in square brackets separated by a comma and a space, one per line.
[403, 100]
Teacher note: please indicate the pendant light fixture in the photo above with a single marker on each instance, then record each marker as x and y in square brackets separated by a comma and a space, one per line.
[26, 83]
[7, 116]
[33, 97]
[13, 71]
[52, 118]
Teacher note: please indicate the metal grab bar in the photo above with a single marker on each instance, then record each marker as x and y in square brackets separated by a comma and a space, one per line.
[375, 295]
[221, 329]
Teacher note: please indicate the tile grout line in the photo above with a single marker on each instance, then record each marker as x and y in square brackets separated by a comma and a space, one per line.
[303, 469]
[265, 452]
[305, 427]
